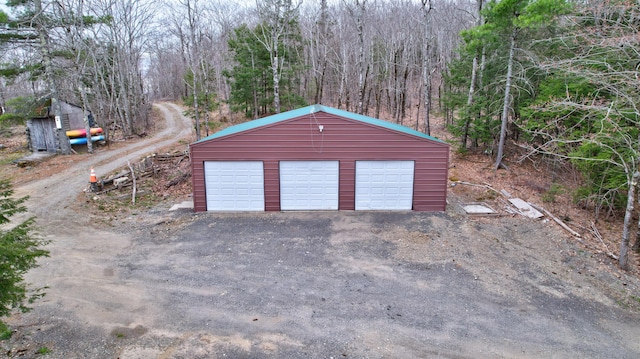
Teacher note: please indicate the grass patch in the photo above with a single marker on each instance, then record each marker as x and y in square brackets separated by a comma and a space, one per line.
[43, 350]
[5, 332]
[8, 158]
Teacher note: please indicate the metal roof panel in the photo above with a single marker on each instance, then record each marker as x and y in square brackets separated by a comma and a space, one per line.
[273, 119]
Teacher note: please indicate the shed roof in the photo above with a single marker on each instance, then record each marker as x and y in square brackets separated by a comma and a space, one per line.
[270, 120]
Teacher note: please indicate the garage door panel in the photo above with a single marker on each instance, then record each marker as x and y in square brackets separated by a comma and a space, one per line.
[234, 185]
[384, 185]
[309, 185]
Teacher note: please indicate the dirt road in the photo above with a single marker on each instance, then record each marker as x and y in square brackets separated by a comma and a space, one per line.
[165, 284]
[75, 272]
[49, 195]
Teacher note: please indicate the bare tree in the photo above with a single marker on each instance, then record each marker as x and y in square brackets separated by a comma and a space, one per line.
[427, 8]
[475, 66]
[190, 40]
[65, 146]
[72, 12]
[360, 14]
[357, 56]
[506, 100]
[316, 27]
[120, 47]
[276, 17]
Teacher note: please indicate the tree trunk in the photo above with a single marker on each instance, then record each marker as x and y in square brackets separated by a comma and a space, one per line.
[323, 29]
[196, 110]
[207, 105]
[426, 64]
[85, 118]
[276, 77]
[2, 99]
[623, 259]
[193, 62]
[321, 83]
[255, 89]
[636, 245]
[125, 107]
[472, 85]
[343, 79]
[63, 140]
[505, 106]
[360, 26]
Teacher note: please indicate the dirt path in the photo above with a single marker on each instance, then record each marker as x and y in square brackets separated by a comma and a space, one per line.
[49, 196]
[79, 272]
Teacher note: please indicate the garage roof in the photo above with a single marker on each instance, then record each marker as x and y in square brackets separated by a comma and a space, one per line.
[270, 120]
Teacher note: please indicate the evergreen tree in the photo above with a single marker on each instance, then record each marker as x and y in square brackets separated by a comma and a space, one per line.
[588, 111]
[250, 76]
[501, 38]
[252, 87]
[19, 252]
[206, 101]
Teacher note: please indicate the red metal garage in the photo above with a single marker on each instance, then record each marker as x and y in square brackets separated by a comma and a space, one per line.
[319, 158]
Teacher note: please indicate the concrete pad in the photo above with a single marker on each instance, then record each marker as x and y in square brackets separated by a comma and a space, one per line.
[186, 204]
[478, 209]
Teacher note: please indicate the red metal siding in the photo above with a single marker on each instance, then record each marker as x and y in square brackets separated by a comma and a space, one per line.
[271, 186]
[197, 184]
[347, 185]
[342, 139]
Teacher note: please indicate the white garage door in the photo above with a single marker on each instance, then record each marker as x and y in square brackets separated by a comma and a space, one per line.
[234, 185]
[309, 185]
[384, 185]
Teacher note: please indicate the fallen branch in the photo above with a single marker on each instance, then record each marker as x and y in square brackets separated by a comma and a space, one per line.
[105, 191]
[488, 186]
[169, 156]
[469, 184]
[178, 180]
[477, 185]
[181, 159]
[485, 185]
[558, 220]
[597, 234]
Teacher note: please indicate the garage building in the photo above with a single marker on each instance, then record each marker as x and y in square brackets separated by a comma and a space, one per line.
[319, 158]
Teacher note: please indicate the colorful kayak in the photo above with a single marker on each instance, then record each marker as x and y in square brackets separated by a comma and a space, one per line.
[83, 140]
[81, 132]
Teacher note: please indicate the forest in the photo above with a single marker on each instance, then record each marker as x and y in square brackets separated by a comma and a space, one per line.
[553, 79]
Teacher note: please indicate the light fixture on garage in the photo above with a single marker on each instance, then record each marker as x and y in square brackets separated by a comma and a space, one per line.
[316, 143]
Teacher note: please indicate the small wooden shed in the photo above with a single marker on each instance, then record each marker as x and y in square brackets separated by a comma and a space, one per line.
[319, 158]
[42, 129]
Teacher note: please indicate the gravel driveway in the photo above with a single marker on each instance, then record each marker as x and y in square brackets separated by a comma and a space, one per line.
[336, 285]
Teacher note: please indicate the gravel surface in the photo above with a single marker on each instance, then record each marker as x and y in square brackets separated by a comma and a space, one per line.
[162, 284]
[331, 284]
